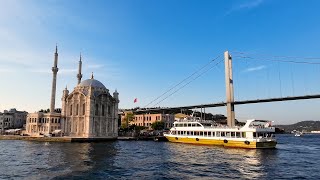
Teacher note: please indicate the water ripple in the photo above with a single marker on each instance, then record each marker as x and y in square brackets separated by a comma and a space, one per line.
[294, 158]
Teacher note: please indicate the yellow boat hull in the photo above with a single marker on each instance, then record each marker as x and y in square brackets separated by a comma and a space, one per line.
[225, 143]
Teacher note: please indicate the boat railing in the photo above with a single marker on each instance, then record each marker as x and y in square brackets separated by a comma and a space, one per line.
[265, 139]
[260, 127]
[194, 120]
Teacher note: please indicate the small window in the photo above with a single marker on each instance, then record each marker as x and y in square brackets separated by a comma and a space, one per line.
[77, 110]
[238, 134]
[223, 134]
[109, 109]
[71, 110]
[102, 110]
[209, 134]
[232, 134]
[97, 110]
[201, 133]
[228, 134]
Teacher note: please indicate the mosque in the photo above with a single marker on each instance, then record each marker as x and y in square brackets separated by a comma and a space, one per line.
[89, 111]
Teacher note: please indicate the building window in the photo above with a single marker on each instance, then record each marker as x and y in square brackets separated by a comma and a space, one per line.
[97, 110]
[71, 110]
[77, 109]
[83, 108]
[102, 110]
[109, 109]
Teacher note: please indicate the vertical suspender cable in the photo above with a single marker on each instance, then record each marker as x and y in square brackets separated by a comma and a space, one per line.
[280, 79]
[292, 83]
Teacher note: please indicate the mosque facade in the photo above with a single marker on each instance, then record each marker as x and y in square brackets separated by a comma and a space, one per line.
[89, 111]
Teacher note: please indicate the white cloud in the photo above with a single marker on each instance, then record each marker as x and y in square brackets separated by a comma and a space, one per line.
[258, 68]
[247, 5]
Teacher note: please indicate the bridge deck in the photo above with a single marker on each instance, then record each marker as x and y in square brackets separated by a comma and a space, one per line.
[219, 104]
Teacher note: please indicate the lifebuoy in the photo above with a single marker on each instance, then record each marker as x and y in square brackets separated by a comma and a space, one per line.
[176, 138]
[225, 141]
[247, 142]
[197, 139]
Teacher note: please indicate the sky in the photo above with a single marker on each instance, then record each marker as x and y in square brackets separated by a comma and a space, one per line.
[144, 48]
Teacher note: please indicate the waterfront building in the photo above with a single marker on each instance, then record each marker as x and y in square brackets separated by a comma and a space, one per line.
[147, 119]
[89, 111]
[12, 119]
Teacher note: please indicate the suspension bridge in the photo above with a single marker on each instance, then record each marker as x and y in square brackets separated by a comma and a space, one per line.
[229, 82]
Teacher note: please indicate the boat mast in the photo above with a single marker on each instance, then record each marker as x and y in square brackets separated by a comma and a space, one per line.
[229, 89]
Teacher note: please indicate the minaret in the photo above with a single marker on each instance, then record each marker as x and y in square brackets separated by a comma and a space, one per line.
[54, 80]
[64, 100]
[79, 75]
[115, 113]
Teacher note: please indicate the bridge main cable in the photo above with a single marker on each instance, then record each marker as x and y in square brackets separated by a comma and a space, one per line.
[211, 61]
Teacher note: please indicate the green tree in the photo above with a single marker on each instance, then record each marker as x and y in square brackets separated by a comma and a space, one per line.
[126, 120]
[158, 125]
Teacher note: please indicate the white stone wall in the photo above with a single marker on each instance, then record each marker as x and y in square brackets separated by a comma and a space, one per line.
[99, 119]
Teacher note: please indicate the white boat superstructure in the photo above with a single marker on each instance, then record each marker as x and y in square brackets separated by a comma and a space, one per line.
[254, 134]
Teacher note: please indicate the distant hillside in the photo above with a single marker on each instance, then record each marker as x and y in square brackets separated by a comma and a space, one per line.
[305, 126]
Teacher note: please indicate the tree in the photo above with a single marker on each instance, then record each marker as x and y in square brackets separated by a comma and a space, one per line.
[158, 125]
[126, 120]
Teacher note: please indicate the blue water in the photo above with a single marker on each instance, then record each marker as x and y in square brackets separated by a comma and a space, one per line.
[294, 158]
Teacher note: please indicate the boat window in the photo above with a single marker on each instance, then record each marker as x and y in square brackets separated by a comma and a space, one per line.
[185, 132]
[223, 134]
[254, 134]
[213, 134]
[228, 134]
[243, 134]
[205, 133]
[209, 134]
[218, 133]
[193, 125]
[198, 125]
[232, 134]
[237, 134]
[201, 133]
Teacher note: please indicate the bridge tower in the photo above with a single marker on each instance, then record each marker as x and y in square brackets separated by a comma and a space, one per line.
[229, 89]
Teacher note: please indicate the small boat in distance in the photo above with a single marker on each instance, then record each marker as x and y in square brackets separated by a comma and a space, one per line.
[254, 134]
[297, 133]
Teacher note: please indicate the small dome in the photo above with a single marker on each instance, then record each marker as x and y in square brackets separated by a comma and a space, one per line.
[92, 83]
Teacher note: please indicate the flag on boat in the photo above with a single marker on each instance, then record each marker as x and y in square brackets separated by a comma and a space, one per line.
[135, 100]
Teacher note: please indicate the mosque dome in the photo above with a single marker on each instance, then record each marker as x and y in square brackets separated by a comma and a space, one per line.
[92, 83]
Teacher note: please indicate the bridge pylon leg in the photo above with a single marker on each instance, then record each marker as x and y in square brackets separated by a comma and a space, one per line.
[229, 89]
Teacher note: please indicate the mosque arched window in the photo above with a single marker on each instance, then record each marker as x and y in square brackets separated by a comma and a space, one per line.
[84, 109]
[97, 110]
[102, 110]
[109, 109]
[77, 110]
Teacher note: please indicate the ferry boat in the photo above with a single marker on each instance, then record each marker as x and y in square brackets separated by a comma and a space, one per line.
[255, 134]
